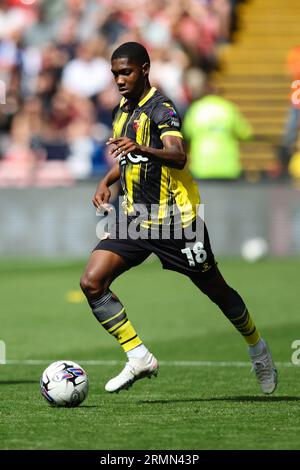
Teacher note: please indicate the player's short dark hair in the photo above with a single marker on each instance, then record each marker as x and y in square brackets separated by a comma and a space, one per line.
[133, 51]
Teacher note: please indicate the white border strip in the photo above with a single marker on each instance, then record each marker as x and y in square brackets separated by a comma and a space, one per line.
[37, 362]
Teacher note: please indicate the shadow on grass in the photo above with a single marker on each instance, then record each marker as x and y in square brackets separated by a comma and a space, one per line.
[238, 399]
[62, 409]
[18, 382]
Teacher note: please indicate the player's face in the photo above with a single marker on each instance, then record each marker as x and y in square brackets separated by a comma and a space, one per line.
[129, 77]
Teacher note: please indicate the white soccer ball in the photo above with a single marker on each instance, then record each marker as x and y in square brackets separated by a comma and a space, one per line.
[254, 249]
[64, 383]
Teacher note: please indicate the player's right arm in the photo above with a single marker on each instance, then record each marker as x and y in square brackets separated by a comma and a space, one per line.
[102, 194]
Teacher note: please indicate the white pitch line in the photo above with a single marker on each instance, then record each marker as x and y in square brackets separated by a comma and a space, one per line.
[37, 362]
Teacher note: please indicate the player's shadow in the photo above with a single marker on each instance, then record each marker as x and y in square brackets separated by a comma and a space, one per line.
[238, 399]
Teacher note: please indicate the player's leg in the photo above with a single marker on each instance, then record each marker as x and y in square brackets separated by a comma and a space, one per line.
[230, 302]
[234, 308]
[195, 259]
[102, 268]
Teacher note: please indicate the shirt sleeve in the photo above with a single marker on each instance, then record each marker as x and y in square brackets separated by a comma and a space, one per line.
[167, 120]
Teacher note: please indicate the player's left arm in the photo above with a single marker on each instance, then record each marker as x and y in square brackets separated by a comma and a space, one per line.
[172, 154]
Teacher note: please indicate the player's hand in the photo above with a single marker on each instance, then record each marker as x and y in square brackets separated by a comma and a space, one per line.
[122, 146]
[101, 197]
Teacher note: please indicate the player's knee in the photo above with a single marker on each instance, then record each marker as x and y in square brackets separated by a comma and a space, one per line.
[225, 297]
[219, 295]
[91, 286]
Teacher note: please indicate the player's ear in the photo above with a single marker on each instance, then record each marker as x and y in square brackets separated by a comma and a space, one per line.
[146, 69]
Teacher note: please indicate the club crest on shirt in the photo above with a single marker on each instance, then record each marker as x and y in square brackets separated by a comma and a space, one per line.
[136, 125]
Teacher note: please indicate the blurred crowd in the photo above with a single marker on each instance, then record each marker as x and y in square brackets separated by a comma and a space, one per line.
[55, 62]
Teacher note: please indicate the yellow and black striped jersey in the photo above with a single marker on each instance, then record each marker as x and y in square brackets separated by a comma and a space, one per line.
[150, 183]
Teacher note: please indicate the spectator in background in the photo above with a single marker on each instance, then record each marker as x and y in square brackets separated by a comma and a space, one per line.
[18, 164]
[197, 30]
[213, 126]
[56, 52]
[89, 73]
[167, 74]
[293, 118]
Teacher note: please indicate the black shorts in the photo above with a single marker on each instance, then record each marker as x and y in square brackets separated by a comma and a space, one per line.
[188, 253]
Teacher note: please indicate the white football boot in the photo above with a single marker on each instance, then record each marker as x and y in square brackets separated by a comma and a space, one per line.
[134, 369]
[264, 368]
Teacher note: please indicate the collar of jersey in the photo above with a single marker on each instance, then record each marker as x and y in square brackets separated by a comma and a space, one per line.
[143, 101]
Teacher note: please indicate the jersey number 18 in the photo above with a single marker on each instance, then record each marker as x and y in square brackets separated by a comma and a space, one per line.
[196, 254]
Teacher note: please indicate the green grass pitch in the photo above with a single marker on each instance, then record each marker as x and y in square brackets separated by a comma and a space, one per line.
[189, 406]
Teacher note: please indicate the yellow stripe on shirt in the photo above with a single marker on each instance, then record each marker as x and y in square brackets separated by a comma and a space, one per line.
[174, 133]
